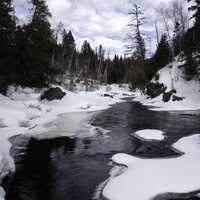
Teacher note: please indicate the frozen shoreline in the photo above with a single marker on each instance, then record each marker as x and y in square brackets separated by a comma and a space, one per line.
[148, 178]
[23, 113]
[172, 77]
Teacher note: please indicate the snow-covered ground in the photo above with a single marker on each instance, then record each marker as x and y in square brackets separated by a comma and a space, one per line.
[172, 77]
[149, 134]
[145, 179]
[22, 112]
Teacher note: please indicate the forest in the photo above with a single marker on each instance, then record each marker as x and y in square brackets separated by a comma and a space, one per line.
[34, 54]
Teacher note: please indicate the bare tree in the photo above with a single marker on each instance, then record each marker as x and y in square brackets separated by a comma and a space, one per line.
[137, 46]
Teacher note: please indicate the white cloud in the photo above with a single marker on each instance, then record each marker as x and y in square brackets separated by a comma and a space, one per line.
[99, 21]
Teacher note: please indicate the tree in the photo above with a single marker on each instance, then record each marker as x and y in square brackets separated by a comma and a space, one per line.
[69, 49]
[137, 47]
[7, 34]
[192, 42]
[40, 45]
[163, 54]
[87, 59]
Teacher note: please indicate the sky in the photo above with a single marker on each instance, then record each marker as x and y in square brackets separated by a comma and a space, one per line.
[100, 21]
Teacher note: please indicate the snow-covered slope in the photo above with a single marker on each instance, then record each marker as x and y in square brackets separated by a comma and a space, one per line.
[173, 78]
[23, 113]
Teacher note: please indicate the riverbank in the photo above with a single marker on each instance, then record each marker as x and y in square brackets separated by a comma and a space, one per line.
[187, 91]
[22, 112]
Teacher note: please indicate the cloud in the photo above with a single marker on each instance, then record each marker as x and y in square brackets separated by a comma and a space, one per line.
[99, 21]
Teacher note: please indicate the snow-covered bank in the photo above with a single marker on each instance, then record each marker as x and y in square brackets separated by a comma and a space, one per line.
[145, 179]
[22, 112]
[173, 78]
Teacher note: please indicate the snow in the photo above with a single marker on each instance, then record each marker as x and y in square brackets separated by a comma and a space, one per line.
[150, 134]
[23, 113]
[145, 179]
[173, 78]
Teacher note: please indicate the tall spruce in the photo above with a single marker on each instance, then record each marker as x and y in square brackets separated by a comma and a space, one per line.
[7, 34]
[69, 49]
[40, 45]
[137, 47]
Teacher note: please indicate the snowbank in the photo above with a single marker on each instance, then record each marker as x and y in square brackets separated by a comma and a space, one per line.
[173, 78]
[23, 113]
[145, 179]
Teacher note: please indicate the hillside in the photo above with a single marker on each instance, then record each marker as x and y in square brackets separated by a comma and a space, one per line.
[172, 76]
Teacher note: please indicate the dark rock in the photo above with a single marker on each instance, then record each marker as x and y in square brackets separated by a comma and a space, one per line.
[167, 95]
[53, 94]
[108, 95]
[176, 98]
[155, 89]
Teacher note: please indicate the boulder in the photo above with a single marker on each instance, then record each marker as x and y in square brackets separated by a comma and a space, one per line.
[167, 95]
[108, 95]
[53, 94]
[155, 89]
[176, 98]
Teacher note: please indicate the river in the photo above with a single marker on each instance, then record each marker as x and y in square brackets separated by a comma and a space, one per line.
[73, 168]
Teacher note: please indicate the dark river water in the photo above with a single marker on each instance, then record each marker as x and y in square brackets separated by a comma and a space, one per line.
[73, 168]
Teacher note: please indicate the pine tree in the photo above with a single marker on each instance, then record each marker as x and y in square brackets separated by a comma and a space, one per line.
[163, 54]
[40, 45]
[69, 49]
[7, 33]
[138, 45]
[87, 59]
[177, 39]
[138, 48]
[196, 29]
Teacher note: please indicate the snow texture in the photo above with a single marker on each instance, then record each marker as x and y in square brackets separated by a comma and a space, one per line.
[23, 113]
[172, 77]
[145, 179]
[150, 134]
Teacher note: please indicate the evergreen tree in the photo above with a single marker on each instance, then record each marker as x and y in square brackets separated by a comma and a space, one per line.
[163, 54]
[69, 49]
[196, 29]
[7, 33]
[40, 45]
[177, 39]
[138, 47]
[191, 42]
[88, 59]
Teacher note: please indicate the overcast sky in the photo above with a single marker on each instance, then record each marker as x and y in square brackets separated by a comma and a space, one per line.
[99, 21]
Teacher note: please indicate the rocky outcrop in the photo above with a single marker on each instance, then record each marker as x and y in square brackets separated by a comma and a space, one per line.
[53, 94]
[155, 89]
[176, 98]
[167, 95]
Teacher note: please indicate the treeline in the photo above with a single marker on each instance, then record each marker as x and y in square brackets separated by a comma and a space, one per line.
[34, 55]
[177, 38]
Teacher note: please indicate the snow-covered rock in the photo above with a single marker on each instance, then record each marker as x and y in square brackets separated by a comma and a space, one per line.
[150, 134]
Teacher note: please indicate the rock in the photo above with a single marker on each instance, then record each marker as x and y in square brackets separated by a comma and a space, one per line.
[176, 98]
[167, 95]
[108, 95]
[155, 89]
[53, 94]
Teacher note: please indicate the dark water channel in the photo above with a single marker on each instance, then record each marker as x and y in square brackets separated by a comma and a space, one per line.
[72, 168]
